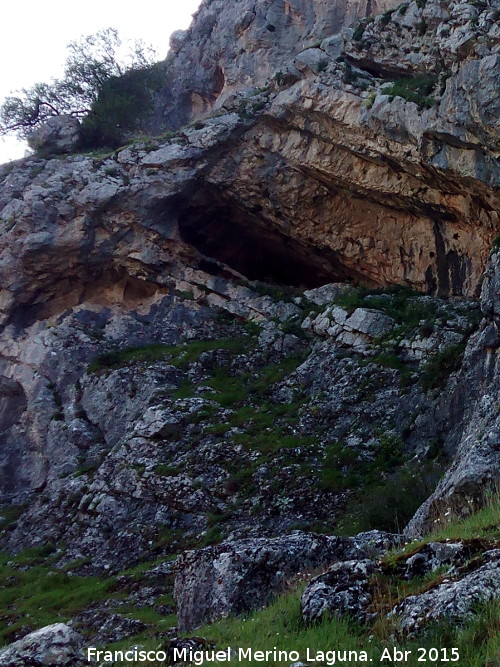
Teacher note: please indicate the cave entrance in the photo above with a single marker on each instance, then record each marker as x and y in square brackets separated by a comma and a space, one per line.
[254, 247]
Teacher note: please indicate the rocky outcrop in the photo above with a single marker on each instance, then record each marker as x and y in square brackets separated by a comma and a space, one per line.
[187, 366]
[435, 555]
[53, 645]
[234, 578]
[401, 187]
[59, 134]
[343, 590]
[300, 184]
[230, 49]
[453, 599]
[353, 588]
[475, 471]
[305, 181]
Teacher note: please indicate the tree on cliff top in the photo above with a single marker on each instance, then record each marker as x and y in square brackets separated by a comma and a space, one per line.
[93, 68]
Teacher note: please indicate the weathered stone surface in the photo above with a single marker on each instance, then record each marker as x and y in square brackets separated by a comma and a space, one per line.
[343, 590]
[106, 628]
[476, 467]
[94, 251]
[53, 645]
[408, 226]
[433, 556]
[370, 322]
[234, 578]
[230, 48]
[300, 168]
[60, 134]
[453, 600]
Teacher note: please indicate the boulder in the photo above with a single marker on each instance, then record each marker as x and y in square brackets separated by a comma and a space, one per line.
[326, 294]
[313, 59]
[452, 599]
[344, 589]
[434, 555]
[369, 322]
[55, 644]
[59, 134]
[233, 578]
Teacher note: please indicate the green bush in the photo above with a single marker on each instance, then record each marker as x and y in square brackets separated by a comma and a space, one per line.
[440, 366]
[122, 101]
[358, 32]
[387, 16]
[416, 89]
[496, 245]
[390, 504]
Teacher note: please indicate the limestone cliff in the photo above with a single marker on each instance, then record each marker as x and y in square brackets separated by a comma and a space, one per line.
[239, 47]
[192, 350]
[391, 188]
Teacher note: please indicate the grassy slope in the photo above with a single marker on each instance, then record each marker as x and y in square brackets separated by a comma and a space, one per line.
[33, 593]
[280, 624]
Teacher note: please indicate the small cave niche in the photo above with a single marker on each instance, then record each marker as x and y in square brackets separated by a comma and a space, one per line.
[246, 242]
[12, 402]
[92, 286]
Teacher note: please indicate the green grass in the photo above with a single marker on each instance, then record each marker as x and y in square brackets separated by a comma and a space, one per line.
[483, 524]
[280, 627]
[178, 355]
[276, 292]
[33, 593]
[266, 425]
[403, 304]
[391, 359]
[280, 624]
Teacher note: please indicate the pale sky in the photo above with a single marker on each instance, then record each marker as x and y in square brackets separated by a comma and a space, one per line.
[34, 35]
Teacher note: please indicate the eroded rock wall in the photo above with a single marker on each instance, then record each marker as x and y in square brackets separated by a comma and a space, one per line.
[317, 177]
[236, 47]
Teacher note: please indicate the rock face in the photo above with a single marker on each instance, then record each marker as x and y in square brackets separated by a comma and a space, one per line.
[476, 469]
[323, 176]
[185, 361]
[300, 184]
[53, 645]
[333, 145]
[239, 47]
[234, 578]
[453, 600]
[343, 590]
[60, 134]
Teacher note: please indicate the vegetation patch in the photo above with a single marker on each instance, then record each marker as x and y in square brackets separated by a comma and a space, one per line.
[404, 305]
[388, 502]
[177, 355]
[416, 89]
[441, 365]
[34, 594]
[495, 246]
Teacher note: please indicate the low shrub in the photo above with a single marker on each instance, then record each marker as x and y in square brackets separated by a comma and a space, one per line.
[416, 89]
[441, 365]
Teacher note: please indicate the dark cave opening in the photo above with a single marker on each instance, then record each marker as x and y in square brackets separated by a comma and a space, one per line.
[254, 247]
